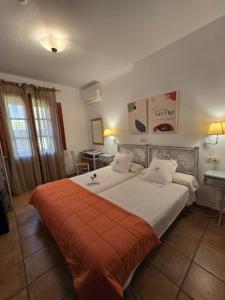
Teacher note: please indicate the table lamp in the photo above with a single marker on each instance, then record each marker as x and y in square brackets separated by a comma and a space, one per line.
[216, 128]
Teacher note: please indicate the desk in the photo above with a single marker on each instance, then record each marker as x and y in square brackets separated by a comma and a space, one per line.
[216, 179]
[91, 155]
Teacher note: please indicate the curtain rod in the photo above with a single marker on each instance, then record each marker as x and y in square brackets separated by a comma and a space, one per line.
[29, 84]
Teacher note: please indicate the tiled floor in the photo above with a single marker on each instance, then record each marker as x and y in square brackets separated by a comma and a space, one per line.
[190, 263]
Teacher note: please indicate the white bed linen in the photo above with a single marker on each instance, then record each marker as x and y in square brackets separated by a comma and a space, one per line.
[106, 176]
[157, 205]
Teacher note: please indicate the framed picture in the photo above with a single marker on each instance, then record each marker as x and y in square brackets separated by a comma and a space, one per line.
[164, 113]
[97, 131]
[138, 116]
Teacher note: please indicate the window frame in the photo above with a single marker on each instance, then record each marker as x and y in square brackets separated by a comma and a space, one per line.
[3, 130]
[28, 138]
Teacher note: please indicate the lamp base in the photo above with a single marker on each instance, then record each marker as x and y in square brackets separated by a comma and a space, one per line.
[212, 143]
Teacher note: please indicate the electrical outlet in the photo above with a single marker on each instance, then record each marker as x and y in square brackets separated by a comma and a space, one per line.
[213, 158]
[209, 158]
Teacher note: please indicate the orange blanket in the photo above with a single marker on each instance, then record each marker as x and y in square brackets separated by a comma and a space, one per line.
[100, 241]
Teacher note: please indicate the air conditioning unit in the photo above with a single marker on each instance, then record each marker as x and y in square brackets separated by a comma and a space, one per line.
[91, 93]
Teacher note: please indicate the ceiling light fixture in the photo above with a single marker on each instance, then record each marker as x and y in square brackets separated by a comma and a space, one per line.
[22, 1]
[53, 43]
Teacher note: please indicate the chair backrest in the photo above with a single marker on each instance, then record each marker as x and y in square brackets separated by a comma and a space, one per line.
[70, 161]
[73, 157]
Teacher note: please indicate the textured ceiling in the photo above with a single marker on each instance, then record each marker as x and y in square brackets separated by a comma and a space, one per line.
[104, 37]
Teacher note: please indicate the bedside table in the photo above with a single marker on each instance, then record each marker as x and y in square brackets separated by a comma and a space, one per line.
[106, 158]
[216, 179]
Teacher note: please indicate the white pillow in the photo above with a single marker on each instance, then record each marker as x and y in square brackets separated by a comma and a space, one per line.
[187, 180]
[121, 162]
[174, 164]
[161, 171]
[136, 168]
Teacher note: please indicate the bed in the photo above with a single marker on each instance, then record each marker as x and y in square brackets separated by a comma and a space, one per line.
[105, 236]
[158, 205]
[107, 177]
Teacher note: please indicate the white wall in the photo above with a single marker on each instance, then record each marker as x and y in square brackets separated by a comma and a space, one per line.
[196, 66]
[74, 112]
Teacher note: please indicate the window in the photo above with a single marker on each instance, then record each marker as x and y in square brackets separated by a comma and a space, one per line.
[44, 130]
[19, 129]
[41, 120]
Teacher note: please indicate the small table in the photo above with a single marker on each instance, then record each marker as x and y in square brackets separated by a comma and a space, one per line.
[216, 179]
[92, 155]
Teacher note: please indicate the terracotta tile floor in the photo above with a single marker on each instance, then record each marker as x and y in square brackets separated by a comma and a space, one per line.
[190, 263]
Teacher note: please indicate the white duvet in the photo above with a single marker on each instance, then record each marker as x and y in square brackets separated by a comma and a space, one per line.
[106, 177]
[157, 205]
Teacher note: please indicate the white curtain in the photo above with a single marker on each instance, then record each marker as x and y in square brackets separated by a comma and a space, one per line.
[33, 135]
[48, 134]
[24, 161]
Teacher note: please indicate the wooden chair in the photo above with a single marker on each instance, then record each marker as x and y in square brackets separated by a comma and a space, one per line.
[81, 167]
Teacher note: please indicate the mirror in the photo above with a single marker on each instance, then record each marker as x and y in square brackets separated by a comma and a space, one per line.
[97, 131]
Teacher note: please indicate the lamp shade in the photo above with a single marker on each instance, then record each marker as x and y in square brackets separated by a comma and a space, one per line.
[107, 132]
[114, 132]
[217, 128]
[52, 43]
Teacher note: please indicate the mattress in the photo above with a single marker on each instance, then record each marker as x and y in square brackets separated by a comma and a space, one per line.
[106, 177]
[157, 205]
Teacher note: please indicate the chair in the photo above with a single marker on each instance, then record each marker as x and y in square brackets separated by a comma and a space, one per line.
[81, 167]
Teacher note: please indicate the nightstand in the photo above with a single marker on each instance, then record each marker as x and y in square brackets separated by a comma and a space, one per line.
[216, 179]
[106, 158]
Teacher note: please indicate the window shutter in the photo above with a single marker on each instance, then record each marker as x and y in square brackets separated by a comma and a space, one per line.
[61, 124]
[3, 138]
